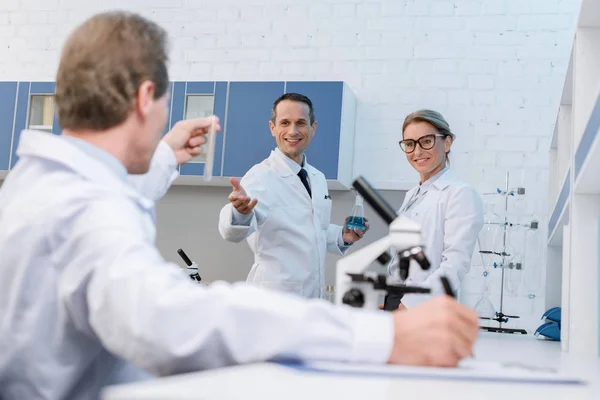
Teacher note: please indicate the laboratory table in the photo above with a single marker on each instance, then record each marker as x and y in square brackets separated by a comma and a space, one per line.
[268, 381]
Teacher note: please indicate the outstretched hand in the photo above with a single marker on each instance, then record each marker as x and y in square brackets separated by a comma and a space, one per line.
[239, 199]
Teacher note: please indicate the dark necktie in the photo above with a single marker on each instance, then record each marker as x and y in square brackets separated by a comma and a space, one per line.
[304, 178]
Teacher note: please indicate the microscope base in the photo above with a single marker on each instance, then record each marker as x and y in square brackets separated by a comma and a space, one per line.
[503, 330]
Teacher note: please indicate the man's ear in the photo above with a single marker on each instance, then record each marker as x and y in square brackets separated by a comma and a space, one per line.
[272, 127]
[145, 98]
[314, 128]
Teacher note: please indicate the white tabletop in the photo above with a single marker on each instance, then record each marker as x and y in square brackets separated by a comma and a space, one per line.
[271, 381]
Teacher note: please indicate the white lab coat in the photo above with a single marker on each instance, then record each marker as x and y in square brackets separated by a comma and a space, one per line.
[289, 233]
[451, 216]
[86, 300]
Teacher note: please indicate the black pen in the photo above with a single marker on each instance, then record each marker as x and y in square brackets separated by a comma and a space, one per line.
[447, 287]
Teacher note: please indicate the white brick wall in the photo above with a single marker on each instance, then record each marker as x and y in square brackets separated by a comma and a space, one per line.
[494, 68]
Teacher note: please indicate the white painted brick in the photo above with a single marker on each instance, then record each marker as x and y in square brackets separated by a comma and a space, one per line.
[484, 97]
[459, 96]
[295, 68]
[444, 8]
[492, 52]
[544, 22]
[319, 68]
[439, 52]
[500, 143]
[369, 38]
[394, 39]
[439, 23]
[18, 18]
[296, 11]
[445, 66]
[511, 159]
[294, 54]
[247, 68]
[4, 18]
[504, 38]
[495, 23]
[478, 66]
[436, 38]
[296, 39]
[391, 24]
[393, 8]
[494, 7]
[201, 69]
[341, 53]
[39, 4]
[228, 42]
[372, 67]
[484, 158]
[229, 14]
[383, 53]
[10, 5]
[468, 8]
[367, 10]
[519, 7]
[481, 82]
[344, 10]
[272, 40]
[320, 10]
[390, 67]
[320, 39]
[251, 13]
[417, 7]
[223, 69]
[346, 39]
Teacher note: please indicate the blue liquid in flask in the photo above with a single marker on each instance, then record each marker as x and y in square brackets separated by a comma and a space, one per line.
[355, 222]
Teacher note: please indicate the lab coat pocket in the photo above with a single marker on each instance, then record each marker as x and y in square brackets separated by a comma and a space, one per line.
[323, 212]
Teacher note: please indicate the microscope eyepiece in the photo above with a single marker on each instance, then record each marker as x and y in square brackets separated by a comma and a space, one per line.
[419, 257]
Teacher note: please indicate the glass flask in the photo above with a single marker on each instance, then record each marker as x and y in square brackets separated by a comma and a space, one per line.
[356, 220]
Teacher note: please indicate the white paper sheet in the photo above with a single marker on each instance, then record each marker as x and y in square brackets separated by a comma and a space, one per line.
[467, 370]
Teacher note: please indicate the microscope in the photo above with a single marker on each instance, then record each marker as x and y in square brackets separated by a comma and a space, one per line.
[360, 288]
[192, 267]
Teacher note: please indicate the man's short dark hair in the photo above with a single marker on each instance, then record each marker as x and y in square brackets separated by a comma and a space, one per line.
[294, 97]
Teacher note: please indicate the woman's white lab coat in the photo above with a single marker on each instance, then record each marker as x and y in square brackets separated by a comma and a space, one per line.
[451, 217]
[84, 293]
[289, 233]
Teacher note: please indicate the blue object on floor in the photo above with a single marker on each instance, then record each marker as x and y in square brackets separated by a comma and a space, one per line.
[552, 314]
[550, 330]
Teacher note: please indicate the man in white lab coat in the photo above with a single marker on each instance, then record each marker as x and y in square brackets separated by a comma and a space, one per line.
[86, 300]
[282, 207]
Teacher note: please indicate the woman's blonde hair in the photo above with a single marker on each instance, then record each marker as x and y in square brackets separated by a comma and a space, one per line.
[433, 118]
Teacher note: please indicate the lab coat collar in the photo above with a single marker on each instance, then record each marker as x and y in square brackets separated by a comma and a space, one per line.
[286, 166]
[447, 178]
[56, 149]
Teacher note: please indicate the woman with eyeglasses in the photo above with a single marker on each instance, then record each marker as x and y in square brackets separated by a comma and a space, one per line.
[450, 211]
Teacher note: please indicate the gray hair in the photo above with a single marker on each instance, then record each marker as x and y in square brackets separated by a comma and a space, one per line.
[433, 118]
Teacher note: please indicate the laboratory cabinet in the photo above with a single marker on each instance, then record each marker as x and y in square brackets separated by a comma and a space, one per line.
[574, 161]
[244, 109]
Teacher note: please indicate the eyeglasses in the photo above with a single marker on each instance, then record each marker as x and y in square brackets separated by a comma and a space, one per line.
[426, 142]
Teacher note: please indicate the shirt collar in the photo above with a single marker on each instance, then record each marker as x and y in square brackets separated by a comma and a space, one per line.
[294, 166]
[425, 185]
[99, 155]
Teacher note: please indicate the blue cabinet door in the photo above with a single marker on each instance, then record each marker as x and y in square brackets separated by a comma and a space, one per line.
[323, 152]
[248, 139]
[22, 104]
[8, 100]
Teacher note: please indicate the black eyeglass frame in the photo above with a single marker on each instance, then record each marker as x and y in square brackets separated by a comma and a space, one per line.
[418, 141]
